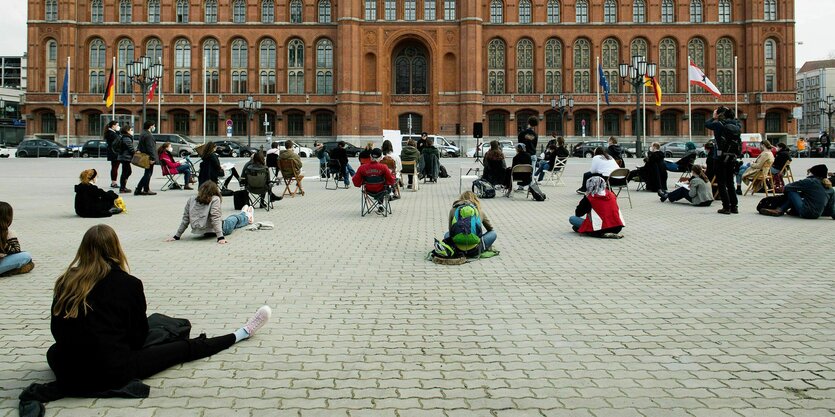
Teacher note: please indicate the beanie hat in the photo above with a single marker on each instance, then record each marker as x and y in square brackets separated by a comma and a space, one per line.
[819, 171]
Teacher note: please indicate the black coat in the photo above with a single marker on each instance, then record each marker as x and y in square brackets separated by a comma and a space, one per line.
[92, 201]
[111, 136]
[340, 155]
[148, 145]
[126, 149]
[781, 158]
[210, 169]
[529, 137]
[654, 172]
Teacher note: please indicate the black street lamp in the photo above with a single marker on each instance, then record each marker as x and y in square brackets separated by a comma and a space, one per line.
[144, 73]
[562, 105]
[249, 105]
[828, 106]
[634, 75]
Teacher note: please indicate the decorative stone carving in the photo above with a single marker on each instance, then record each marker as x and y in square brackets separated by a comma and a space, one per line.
[370, 37]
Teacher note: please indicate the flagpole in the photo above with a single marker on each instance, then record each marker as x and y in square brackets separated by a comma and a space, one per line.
[644, 114]
[689, 104]
[597, 66]
[204, 101]
[113, 107]
[68, 101]
[736, 90]
[159, 99]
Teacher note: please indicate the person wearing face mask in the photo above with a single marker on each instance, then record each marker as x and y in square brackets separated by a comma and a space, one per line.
[146, 146]
[92, 201]
[167, 163]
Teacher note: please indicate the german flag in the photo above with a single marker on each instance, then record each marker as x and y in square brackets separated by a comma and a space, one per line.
[656, 87]
[109, 90]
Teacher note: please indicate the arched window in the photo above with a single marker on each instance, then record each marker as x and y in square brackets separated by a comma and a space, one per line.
[295, 67]
[696, 50]
[582, 66]
[496, 11]
[611, 124]
[610, 11]
[324, 67]
[182, 11]
[267, 11]
[449, 9]
[267, 66]
[638, 47]
[668, 11]
[524, 11]
[409, 9]
[770, 55]
[725, 15]
[696, 11]
[51, 75]
[49, 123]
[125, 11]
[553, 11]
[51, 51]
[211, 61]
[210, 11]
[182, 67]
[639, 11]
[773, 122]
[153, 50]
[51, 10]
[770, 10]
[125, 57]
[667, 65]
[239, 11]
[96, 11]
[324, 11]
[725, 65]
[324, 124]
[669, 123]
[390, 9]
[553, 66]
[610, 62]
[495, 67]
[410, 122]
[97, 63]
[524, 66]
[411, 71]
[429, 10]
[153, 11]
[497, 124]
[582, 11]
[240, 62]
[295, 11]
[370, 9]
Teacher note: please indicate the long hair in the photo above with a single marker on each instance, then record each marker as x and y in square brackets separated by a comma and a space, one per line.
[208, 149]
[99, 250]
[698, 171]
[125, 130]
[206, 191]
[600, 151]
[163, 148]
[258, 158]
[387, 148]
[109, 125]
[87, 176]
[6, 216]
[471, 198]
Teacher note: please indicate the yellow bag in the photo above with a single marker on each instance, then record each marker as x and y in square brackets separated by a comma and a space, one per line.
[119, 203]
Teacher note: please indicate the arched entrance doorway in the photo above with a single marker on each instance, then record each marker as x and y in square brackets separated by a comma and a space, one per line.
[410, 61]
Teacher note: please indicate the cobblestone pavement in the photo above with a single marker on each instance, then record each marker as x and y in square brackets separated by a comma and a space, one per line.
[691, 314]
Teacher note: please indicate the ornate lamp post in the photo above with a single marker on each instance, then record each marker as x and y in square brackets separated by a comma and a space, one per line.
[144, 73]
[828, 106]
[633, 74]
[250, 105]
[562, 103]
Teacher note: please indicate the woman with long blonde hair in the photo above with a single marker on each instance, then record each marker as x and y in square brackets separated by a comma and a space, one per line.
[13, 261]
[100, 327]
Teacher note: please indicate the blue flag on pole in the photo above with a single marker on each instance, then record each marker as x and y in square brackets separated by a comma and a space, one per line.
[65, 90]
[604, 83]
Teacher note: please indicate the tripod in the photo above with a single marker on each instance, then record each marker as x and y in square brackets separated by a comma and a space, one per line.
[477, 157]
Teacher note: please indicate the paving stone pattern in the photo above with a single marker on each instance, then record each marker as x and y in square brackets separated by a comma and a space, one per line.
[691, 314]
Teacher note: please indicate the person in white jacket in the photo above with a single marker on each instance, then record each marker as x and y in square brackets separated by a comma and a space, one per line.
[602, 165]
[203, 214]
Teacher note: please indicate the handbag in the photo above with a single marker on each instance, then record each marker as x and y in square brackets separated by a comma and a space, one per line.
[142, 160]
[164, 329]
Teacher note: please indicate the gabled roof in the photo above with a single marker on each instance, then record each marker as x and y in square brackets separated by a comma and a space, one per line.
[816, 65]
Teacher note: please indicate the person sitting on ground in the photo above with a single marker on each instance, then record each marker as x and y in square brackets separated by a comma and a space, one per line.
[461, 234]
[654, 171]
[616, 151]
[494, 164]
[430, 158]
[548, 160]
[288, 155]
[782, 157]
[92, 201]
[749, 171]
[99, 323]
[374, 169]
[697, 191]
[686, 161]
[365, 154]
[410, 153]
[600, 208]
[203, 213]
[809, 198]
[210, 169]
[523, 180]
[13, 261]
[602, 165]
[255, 165]
[167, 162]
[340, 154]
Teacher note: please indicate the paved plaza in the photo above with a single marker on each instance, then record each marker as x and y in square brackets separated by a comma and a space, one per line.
[692, 313]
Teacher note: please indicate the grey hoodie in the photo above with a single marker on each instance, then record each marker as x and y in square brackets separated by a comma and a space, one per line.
[203, 218]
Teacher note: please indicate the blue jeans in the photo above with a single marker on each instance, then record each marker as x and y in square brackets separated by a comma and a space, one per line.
[14, 261]
[540, 171]
[794, 200]
[741, 171]
[346, 170]
[487, 239]
[671, 166]
[576, 222]
[774, 171]
[186, 171]
[235, 221]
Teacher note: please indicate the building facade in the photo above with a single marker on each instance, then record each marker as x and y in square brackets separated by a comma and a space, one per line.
[350, 68]
[12, 89]
[815, 83]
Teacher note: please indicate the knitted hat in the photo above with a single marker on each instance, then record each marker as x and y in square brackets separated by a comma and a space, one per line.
[819, 171]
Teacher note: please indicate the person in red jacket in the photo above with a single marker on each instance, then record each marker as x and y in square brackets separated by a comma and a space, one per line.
[170, 166]
[375, 168]
[600, 208]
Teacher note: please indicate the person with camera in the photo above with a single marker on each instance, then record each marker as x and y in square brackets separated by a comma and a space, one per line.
[726, 134]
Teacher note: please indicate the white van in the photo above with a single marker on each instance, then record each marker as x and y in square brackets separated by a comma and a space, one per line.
[446, 147]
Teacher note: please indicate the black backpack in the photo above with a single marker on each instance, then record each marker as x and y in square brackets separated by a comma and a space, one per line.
[442, 172]
[483, 189]
[536, 192]
[731, 140]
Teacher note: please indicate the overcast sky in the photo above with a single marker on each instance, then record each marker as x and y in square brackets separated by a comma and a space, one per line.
[812, 29]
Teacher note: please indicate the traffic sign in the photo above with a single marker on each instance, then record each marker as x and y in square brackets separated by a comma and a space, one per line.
[228, 130]
[228, 122]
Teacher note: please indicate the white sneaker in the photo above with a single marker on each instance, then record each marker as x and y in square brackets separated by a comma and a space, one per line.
[261, 317]
[250, 213]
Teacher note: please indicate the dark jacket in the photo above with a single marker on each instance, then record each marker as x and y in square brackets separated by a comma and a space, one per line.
[654, 172]
[111, 136]
[210, 169]
[409, 153]
[722, 129]
[94, 351]
[562, 152]
[340, 155]
[148, 145]
[430, 162]
[92, 201]
[817, 200]
[529, 138]
[521, 158]
[781, 158]
[126, 149]
[616, 151]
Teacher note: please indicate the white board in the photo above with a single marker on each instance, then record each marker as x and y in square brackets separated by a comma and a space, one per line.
[394, 137]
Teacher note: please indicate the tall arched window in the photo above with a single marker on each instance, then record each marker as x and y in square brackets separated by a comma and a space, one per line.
[610, 62]
[411, 71]
[770, 10]
[266, 64]
[51, 75]
[429, 10]
[524, 66]
[496, 11]
[667, 65]
[267, 11]
[295, 11]
[51, 51]
[770, 55]
[96, 11]
[495, 67]
[153, 11]
[211, 61]
[409, 10]
[639, 11]
[370, 9]
[324, 11]
[125, 11]
[51, 10]
[182, 67]
[324, 67]
[725, 15]
[553, 66]
[638, 47]
[97, 63]
[696, 50]
[524, 11]
[553, 11]
[125, 57]
[390, 9]
[725, 65]
[610, 11]
[696, 11]
[668, 11]
[153, 50]
[239, 11]
[582, 11]
[182, 11]
[582, 66]
[295, 67]
[449, 9]
[210, 11]
[240, 62]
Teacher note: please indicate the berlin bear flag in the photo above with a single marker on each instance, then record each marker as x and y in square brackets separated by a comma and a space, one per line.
[698, 77]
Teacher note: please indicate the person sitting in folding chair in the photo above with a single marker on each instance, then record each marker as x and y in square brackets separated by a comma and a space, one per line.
[686, 162]
[547, 162]
[375, 179]
[522, 158]
[494, 165]
[430, 162]
[291, 165]
[272, 158]
[254, 167]
[170, 167]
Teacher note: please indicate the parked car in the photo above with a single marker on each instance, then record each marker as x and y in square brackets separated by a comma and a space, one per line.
[586, 149]
[6, 152]
[752, 149]
[41, 147]
[94, 148]
[446, 148]
[301, 151]
[234, 149]
[179, 144]
[674, 149]
[508, 149]
[350, 149]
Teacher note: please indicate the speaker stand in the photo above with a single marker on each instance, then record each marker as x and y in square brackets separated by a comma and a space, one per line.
[477, 158]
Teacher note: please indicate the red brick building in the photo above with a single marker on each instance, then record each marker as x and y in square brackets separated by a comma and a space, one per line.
[349, 68]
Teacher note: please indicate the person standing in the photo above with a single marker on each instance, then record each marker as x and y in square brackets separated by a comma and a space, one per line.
[726, 131]
[111, 135]
[147, 145]
[124, 153]
[826, 143]
[529, 138]
[340, 154]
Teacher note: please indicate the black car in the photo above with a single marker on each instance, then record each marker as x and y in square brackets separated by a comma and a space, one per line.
[41, 147]
[234, 149]
[350, 149]
[586, 149]
[96, 148]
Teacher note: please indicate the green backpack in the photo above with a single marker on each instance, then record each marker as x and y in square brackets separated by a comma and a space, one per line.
[465, 228]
